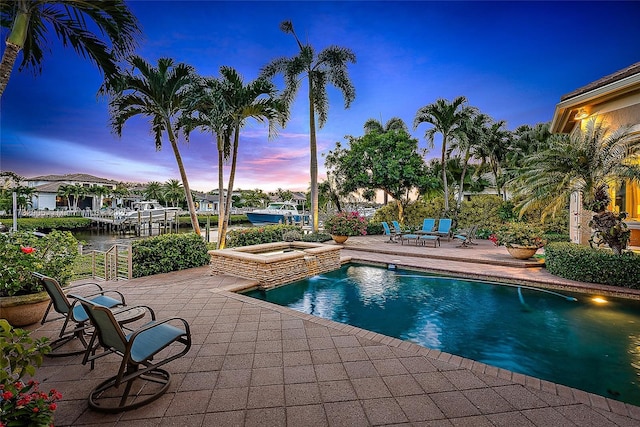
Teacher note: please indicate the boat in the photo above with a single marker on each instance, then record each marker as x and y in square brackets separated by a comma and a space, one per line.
[147, 209]
[275, 213]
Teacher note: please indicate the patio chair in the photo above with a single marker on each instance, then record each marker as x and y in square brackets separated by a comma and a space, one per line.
[388, 232]
[466, 236]
[444, 228]
[75, 317]
[428, 224]
[143, 351]
[404, 236]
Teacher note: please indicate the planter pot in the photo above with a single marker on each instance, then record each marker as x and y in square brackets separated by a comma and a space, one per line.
[24, 310]
[339, 239]
[521, 252]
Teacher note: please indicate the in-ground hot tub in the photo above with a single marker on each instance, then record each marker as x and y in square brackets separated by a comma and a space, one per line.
[273, 264]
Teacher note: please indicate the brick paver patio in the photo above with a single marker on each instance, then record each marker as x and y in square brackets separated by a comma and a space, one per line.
[257, 364]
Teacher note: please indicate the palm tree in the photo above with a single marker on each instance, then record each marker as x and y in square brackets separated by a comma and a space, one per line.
[207, 110]
[172, 191]
[157, 92]
[493, 151]
[101, 192]
[327, 67]
[448, 119]
[75, 23]
[394, 123]
[587, 162]
[69, 190]
[256, 100]
[474, 136]
[153, 191]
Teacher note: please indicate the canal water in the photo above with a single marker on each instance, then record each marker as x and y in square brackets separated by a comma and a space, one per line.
[101, 240]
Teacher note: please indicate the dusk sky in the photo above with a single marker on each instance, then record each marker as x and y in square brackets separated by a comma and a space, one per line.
[512, 60]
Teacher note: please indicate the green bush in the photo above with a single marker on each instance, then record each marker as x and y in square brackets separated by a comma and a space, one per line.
[168, 252]
[316, 237]
[23, 253]
[585, 264]
[374, 228]
[42, 224]
[257, 235]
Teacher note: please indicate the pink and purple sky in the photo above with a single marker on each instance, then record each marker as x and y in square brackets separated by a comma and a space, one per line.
[512, 60]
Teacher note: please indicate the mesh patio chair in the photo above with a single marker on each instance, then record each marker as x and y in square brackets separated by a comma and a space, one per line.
[404, 236]
[75, 317]
[389, 232]
[466, 236]
[143, 351]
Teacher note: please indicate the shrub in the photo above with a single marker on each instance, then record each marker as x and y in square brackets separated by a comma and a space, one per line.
[520, 234]
[257, 235]
[63, 223]
[316, 237]
[168, 252]
[585, 264]
[374, 228]
[22, 253]
[291, 236]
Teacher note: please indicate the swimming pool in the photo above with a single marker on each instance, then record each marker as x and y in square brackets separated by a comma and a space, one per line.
[565, 338]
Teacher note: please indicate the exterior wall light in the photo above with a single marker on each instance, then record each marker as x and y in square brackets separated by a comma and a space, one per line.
[581, 114]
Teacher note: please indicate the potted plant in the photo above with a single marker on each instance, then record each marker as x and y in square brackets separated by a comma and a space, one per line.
[345, 224]
[22, 300]
[22, 403]
[521, 239]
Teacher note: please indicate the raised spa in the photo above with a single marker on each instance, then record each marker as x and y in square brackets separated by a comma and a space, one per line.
[273, 264]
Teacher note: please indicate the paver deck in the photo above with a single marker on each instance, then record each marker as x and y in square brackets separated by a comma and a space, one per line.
[257, 364]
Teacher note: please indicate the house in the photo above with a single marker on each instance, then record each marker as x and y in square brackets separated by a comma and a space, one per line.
[47, 187]
[615, 99]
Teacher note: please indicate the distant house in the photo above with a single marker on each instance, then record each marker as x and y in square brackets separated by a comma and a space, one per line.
[47, 187]
[615, 99]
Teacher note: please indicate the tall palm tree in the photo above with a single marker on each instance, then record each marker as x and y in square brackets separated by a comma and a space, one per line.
[587, 162]
[394, 123]
[255, 100]
[327, 67]
[76, 191]
[207, 110]
[493, 152]
[475, 131]
[156, 92]
[448, 119]
[75, 23]
[99, 191]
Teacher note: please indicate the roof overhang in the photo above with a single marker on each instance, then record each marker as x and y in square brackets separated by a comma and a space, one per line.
[594, 101]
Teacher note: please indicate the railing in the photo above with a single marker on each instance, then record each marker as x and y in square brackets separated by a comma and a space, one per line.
[114, 264]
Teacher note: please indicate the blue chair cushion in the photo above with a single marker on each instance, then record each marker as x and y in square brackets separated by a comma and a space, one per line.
[80, 315]
[429, 237]
[153, 340]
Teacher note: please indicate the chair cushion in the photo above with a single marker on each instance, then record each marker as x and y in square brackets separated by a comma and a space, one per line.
[153, 340]
[429, 237]
[80, 315]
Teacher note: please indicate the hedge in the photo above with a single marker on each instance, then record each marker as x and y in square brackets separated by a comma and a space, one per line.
[168, 252]
[40, 224]
[257, 235]
[582, 263]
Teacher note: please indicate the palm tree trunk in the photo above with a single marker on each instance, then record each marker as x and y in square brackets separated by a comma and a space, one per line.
[15, 43]
[313, 166]
[232, 176]
[185, 183]
[400, 211]
[444, 175]
[464, 172]
[221, 210]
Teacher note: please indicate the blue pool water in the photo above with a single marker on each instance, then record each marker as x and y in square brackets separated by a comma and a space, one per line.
[561, 337]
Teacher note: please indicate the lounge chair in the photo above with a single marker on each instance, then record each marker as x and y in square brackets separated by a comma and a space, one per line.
[444, 228]
[76, 320]
[388, 232]
[142, 355]
[404, 236]
[428, 224]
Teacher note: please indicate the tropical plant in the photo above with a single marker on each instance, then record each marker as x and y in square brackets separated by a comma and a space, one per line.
[75, 23]
[156, 92]
[173, 192]
[329, 66]
[154, 191]
[76, 191]
[493, 152]
[346, 224]
[449, 119]
[22, 253]
[100, 191]
[387, 161]
[22, 403]
[519, 234]
[586, 162]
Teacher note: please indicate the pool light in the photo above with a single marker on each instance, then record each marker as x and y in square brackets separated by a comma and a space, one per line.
[599, 300]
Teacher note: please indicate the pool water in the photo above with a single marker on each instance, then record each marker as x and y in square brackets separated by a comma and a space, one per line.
[562, 337]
